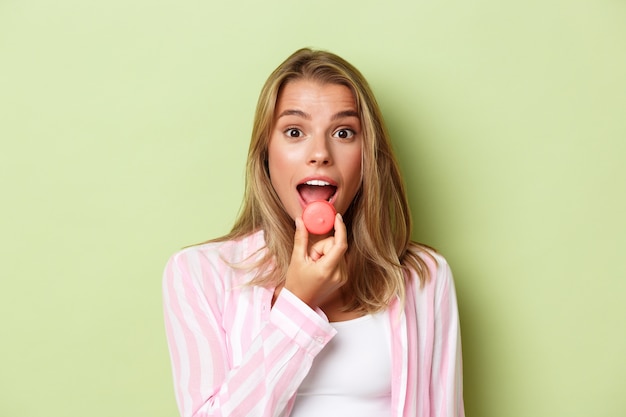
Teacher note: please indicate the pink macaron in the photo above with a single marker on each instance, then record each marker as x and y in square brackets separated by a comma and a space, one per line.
[319, 217]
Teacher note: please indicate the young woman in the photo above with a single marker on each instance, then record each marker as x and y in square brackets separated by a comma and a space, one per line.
[271, 320]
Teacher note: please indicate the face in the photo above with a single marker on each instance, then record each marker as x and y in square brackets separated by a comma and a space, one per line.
[316, 144]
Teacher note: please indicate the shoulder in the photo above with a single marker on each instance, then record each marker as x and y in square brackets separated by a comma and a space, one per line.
[435, 300]
[214, 260]
[437, 270]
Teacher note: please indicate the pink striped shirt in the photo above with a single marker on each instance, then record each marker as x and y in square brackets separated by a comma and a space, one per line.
[233, 354]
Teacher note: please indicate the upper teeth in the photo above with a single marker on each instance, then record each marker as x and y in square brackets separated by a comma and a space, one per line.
[317, 182]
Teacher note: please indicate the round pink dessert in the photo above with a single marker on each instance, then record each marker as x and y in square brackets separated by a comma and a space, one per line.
[319, 217]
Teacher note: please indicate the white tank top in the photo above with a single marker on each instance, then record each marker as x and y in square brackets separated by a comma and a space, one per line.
[351, 376]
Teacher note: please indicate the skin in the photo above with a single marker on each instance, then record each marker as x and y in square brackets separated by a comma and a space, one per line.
[316, 135]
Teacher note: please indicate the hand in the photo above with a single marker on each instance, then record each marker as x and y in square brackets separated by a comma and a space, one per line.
[316, 272]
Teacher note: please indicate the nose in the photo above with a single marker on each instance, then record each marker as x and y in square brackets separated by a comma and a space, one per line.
[320, 153]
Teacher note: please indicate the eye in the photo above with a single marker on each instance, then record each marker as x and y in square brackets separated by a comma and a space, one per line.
[293, 132]
[344, 133]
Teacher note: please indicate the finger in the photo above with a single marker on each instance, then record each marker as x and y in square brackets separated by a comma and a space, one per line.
[315, 254]
[300, 240]
[321, 247]
[334, 251]
[341, 234]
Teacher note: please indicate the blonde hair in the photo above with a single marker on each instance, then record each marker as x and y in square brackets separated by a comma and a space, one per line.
[378, 220]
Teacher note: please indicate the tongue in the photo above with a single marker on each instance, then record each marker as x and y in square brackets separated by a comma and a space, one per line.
[312, 193]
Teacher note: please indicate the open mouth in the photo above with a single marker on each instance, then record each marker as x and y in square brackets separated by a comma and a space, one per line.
[316, 190]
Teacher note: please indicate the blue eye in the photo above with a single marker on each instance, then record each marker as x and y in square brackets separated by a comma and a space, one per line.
[292, 132]
[344, 133]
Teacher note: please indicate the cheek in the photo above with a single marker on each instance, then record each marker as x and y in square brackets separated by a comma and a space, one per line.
[274, 160]
[354, 167]
[284, 159]
[279, 165]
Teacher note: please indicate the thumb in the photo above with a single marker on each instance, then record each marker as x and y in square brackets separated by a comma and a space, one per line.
[300, 240]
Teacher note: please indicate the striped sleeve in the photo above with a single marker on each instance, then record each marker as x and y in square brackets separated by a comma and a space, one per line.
[273, 365]
[447, 375]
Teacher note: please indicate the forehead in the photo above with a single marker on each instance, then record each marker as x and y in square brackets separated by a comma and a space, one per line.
[302, 92]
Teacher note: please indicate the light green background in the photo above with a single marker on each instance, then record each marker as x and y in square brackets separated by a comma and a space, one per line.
[124, 127]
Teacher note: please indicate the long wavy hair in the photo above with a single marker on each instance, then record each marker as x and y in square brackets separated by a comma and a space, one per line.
[380, 250]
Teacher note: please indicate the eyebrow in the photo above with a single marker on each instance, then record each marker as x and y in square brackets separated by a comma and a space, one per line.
[304, 115]
[299, 113]
[345, 113]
